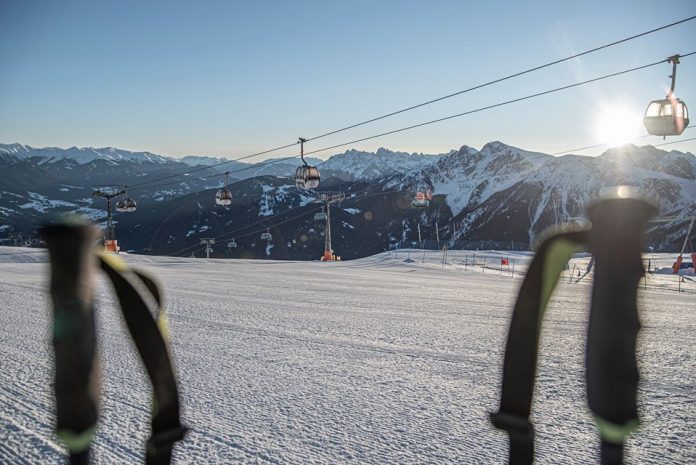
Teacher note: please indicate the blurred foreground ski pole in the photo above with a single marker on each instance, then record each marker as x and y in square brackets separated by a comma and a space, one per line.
[76, 381]
[615, 241]
[73, 264]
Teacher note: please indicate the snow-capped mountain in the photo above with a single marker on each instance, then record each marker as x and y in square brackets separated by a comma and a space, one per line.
[499, 193]
[80, 156]
[354, 165]
[469, 177]
[193, 160]
[521, 193]
[652, 159]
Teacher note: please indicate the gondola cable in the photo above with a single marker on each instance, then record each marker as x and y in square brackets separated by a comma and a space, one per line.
[496, 105]
[403, 110]
[438, 120]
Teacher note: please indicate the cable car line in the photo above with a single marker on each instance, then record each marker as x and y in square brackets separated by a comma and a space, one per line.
[407, 128]
[242, 228]
[675, 142]
[496, 105]
[256, 165]
[609, 143]
[426, 170]
[301, 141]
[420, 203]
[423, 202]
[505, 78]
[265, 228]
[202, 168]
[489, 83]
[265, 220]
[367, 193]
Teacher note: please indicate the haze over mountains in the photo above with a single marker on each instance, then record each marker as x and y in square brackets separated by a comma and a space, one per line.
[499, 193]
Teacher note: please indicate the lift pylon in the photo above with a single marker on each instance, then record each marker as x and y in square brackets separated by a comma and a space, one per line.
[328, 200]
[108, 193]
[208, 242]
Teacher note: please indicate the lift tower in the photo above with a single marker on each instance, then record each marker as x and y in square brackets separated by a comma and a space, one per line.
[109, 192]
[329, 199]
[208, 242]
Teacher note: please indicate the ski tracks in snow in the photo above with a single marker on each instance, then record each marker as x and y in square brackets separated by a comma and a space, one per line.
[366, 362]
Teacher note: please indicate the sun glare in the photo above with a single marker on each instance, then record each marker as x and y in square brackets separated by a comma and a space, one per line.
[618, 126]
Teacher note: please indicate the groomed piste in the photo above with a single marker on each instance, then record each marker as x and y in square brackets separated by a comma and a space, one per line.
[381, 360]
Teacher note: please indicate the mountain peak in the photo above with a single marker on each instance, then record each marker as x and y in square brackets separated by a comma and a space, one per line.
[651, 158]
[14, 148]
[464, 150]
[496, 146]
[81, 155]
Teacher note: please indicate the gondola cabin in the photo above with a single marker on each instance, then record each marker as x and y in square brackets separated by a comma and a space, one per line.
[421, 200]
[223, 197]
[128, 205]
[307, 177]
[666, 117]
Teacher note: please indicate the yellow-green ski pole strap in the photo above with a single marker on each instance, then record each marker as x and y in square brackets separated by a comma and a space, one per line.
[150, 284]
[114, 261]
[161, 316]
[77, 442]
[556, 258]
[519, 366]
[152, 348]
[615, 433]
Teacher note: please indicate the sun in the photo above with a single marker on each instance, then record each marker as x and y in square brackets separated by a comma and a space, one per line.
[617, 125]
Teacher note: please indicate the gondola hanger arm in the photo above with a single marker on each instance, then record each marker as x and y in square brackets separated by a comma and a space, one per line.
[674, 59]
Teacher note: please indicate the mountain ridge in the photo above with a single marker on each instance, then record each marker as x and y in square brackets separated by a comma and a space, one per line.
[500, 192]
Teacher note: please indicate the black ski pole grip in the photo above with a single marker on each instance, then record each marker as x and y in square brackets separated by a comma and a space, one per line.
[72, 266]
[616, 241]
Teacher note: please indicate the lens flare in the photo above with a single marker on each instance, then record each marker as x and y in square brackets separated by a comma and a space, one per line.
[618, 126]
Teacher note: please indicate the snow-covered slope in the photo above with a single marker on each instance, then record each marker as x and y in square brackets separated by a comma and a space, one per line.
[369, 362]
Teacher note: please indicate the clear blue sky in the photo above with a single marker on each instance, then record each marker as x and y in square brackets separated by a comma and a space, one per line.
[230, 78]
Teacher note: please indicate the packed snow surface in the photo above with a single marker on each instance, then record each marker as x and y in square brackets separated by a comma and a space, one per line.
[392, 359]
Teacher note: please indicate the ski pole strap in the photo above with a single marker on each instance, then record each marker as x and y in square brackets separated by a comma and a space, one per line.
[161, 315]
[152, 347]
[519, 367]
[616, 242]
[76, 375]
